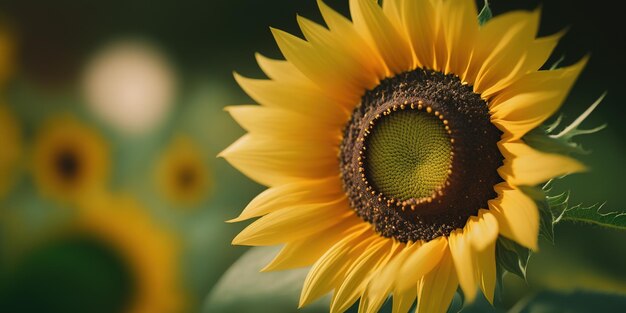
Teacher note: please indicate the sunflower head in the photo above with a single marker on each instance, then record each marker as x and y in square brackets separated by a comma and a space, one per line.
[10, 137]
[393, 148]
[70, 158]
[182, 174]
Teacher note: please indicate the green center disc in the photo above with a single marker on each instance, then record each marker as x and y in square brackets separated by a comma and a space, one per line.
[408, 155]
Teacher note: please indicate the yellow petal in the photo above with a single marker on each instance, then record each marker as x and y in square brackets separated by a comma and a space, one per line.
[306, 100]
[532, 99]
[273, 162]
[359, 274]
[382, 284]
[331, 268]
[525, 166]
[532, 59]
[486, 270]
[422, 25]
[419, 263]
[296, 193]
[483, 228]
[280, 123]
[540, 51]
[375, 27]
[517, 214]
[322, 65]
[357, 74]
[500, 45]
[393, 11]
[459, 29]
[462, 255]
[304, 252]
[473, 252]
[403, 300]
[293, 223]
[437, 288]
[344, 29]
[281, 70]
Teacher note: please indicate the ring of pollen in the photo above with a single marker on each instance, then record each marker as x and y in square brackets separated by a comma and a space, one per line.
[419, 155]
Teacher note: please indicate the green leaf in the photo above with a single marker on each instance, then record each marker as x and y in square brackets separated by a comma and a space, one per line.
[538, 139]
[544, 139]
[593, 215]
[243, 288]
[512, 257]
[559, 209]
[485, 14]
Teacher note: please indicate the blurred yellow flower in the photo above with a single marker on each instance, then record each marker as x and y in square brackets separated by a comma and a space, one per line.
[150, 251]
[182, 175]
[6, 54]
[69, 158]
[10, 148]
[110, 256]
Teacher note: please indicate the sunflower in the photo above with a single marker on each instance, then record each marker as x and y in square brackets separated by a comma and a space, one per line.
[111, 258]
[10, 149]
[70, 158]
[392, 146]
[182, 175]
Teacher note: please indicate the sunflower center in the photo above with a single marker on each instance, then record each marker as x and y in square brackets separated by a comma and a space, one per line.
[419, 155]
[67, 164]
[186, 177]
[414, 144]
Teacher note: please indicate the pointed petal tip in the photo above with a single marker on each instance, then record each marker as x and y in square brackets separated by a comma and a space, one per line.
[242, 239]
[534, 247]
[228, 108]
[237, 241]
[268, 268]
[303, 300]
[223, 154]
[240, 79]
[235, 220]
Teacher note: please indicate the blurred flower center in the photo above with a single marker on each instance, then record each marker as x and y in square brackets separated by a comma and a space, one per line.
[187, 177]
[68, 164]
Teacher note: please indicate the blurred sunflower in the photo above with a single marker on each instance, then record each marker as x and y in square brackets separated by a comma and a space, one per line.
[113, 258]
[392, 146]
[6, 54]
[10, 150]
[69, 158]
[10, 134]
[182, 175]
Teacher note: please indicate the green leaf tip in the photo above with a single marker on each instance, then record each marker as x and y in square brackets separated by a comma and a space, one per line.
[485, 14]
